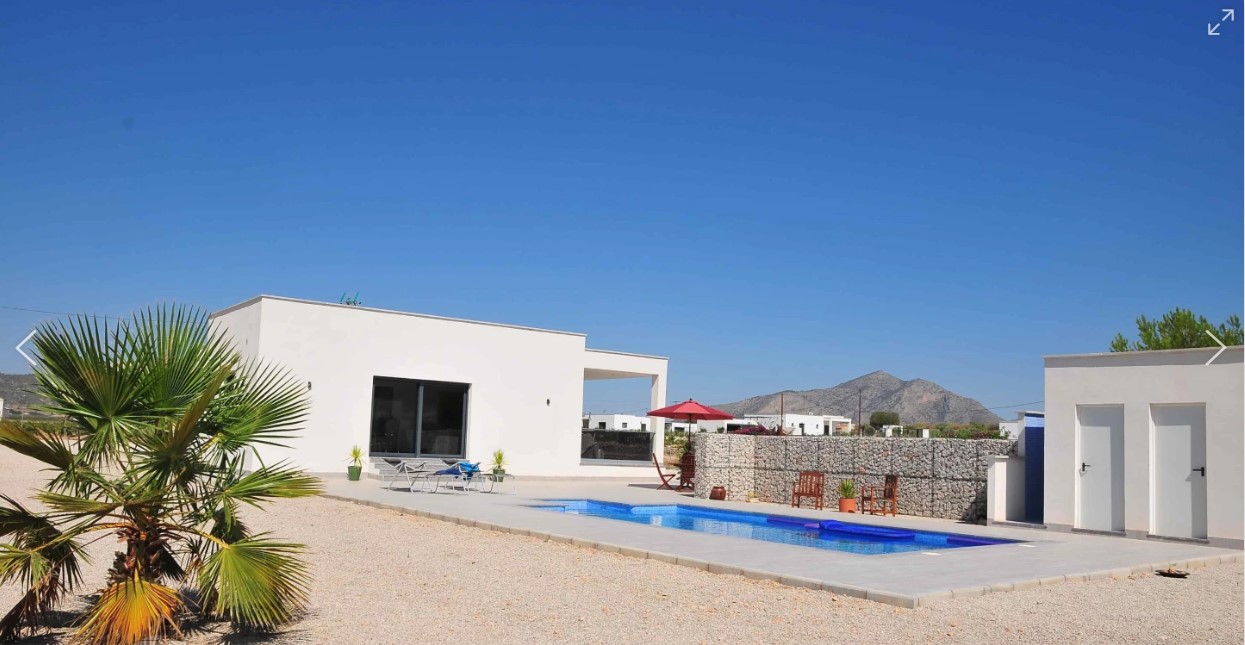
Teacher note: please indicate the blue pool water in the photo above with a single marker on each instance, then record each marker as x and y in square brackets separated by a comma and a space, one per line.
[862, 539]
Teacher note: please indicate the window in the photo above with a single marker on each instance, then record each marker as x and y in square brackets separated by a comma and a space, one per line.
[624, 425]
[643, 427]
[616, 445]
[422, 418]
[600, 425]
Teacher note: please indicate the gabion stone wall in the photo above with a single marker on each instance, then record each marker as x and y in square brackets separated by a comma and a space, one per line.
[937, 477]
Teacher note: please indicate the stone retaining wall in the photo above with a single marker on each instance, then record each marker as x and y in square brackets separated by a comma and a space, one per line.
[937, 477]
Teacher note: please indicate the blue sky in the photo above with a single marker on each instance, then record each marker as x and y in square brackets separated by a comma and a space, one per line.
[773, 195]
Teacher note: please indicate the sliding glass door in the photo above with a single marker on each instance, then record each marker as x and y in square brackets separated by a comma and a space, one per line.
[419, 418]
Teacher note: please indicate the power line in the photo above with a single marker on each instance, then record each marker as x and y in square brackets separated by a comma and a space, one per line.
[55, 313]
[1013, 405]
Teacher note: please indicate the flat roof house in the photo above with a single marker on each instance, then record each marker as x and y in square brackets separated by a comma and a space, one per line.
[1146, 444]
[407, 384]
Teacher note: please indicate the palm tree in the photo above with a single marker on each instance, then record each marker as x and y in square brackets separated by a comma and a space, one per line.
[162, 414]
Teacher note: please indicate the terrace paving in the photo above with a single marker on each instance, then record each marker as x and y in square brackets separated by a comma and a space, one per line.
[901, 579]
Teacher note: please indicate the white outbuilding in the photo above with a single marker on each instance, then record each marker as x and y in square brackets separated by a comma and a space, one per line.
[1146, 444]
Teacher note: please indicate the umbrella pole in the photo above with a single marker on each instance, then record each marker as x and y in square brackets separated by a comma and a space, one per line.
[689, 446]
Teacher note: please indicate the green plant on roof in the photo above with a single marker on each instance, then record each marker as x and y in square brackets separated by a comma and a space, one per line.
[162, 412]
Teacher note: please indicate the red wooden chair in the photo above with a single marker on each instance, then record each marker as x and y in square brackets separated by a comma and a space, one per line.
[665, 479]
[810, 484]
[687, 471]
[871, 502]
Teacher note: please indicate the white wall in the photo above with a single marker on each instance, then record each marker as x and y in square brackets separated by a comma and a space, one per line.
[814, 424]
[830, 421]
[1137, 380]
[526, 385]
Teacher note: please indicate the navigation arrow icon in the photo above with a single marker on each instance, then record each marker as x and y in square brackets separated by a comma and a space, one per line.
[1221, 347]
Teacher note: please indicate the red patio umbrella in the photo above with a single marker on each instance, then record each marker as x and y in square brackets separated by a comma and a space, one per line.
[690, 411]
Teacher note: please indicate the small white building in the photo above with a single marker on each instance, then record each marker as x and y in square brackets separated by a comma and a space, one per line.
[837, 424]
[793, 424]
[1146, 444]
[404, 385]
[615, 422]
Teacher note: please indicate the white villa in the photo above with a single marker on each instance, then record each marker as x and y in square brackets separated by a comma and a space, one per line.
[407, 384]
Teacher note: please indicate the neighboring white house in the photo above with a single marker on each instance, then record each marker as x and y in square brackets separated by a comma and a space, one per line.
[405, 384]
[1146, 444]
[1011, 429]
[1, 408]
[615, 422]
[794, 424]
[680, 426]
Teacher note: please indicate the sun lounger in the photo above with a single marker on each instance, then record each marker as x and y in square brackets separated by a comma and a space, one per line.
[464, 475]
[414, 471]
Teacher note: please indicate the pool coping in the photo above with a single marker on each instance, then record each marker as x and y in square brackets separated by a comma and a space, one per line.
[876, 595]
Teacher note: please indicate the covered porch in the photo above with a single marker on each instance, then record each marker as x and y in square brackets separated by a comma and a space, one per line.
[631, 447]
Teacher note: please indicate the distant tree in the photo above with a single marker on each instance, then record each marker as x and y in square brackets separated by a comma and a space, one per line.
[879, 419]
[1178, 329]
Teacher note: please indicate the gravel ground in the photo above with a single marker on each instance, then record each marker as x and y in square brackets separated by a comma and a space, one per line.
[384, 577]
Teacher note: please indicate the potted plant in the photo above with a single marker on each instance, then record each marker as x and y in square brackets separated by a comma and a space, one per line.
[499, 465]
[356, 464]
[847, 496]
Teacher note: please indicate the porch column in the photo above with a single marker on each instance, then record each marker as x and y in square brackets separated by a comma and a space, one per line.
[657, 399]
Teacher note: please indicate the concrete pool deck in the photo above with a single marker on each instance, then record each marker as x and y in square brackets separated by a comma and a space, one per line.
[901, 579]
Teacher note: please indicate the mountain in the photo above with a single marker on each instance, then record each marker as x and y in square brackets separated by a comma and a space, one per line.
[916, 401]
[14, 389]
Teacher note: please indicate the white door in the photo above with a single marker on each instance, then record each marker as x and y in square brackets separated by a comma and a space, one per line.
[1179, 470]
[1100, 506]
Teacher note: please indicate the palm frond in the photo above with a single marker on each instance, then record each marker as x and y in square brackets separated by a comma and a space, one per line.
[42, 559]
[51, 450]
[180, 355]
[17, 519]
[89, 372]
[262, 404]
[279, 481]
[130, 610]
[254, 583]
[71, 504]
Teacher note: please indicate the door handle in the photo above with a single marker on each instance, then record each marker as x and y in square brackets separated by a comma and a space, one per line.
[1084, 466]
[1201, 470]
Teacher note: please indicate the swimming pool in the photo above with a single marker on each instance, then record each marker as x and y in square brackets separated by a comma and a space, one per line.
[861, 539]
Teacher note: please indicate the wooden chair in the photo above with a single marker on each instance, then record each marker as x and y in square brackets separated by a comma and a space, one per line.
[810, 484]
[687, 471]
[872, 503]
[665, 479]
